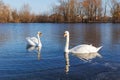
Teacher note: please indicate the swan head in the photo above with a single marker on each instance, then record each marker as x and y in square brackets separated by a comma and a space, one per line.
[39, 34]
[66, 33]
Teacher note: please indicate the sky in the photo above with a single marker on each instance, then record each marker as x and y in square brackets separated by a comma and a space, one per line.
[37, 6]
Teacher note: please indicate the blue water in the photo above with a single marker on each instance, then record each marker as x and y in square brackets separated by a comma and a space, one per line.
[17, 63]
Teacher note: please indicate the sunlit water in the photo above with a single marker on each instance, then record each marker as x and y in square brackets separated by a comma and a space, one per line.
[18, 63]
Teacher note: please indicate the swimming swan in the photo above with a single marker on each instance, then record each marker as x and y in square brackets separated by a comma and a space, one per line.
[33, 41]
[84, 48]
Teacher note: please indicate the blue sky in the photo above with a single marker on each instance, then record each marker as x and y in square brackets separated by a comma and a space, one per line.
[37, 6]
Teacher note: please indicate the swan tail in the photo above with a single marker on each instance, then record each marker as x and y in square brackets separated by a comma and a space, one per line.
[99, 48]
[99, 55]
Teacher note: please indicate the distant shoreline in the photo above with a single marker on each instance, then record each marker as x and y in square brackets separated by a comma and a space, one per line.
[59, 22]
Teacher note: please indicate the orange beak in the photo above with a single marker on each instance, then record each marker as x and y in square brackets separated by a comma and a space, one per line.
[40, 34]
[65, 34]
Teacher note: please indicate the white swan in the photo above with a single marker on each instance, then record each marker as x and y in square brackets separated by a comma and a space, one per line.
[84, 48]
[33, 41]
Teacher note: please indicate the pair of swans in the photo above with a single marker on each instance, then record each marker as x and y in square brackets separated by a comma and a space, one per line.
[84, 51]
[84, 48]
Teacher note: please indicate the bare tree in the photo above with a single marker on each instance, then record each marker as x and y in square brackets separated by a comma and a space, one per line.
[4, 12]
[92, 9]
[115, 10]
[105, 9]
[25, 14]
[15, 16]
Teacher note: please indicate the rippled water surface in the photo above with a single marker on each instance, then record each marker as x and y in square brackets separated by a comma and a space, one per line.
[17, 63]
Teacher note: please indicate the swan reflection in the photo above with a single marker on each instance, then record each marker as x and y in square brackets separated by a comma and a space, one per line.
[38, 55]
[67, 62]
[87, 56]
[82, 56]
[67, 68]
[32, 48]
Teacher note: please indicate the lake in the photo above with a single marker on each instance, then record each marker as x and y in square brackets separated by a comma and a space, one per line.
[18, 63]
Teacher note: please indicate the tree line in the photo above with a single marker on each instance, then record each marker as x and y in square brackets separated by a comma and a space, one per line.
[65, 11]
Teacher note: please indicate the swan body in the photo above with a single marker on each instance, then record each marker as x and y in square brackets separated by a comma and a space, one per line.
[84, 48]
[34, 41]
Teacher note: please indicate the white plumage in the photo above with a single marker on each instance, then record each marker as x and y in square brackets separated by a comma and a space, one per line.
[84, 48]
[34, 41]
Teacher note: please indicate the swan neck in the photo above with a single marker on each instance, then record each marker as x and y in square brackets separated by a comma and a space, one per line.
[67, 44]
[39, 42]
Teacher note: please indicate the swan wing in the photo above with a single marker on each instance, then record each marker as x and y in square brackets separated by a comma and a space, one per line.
[84, 49]
[31, 41]
[34, 39]
[79, 49]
